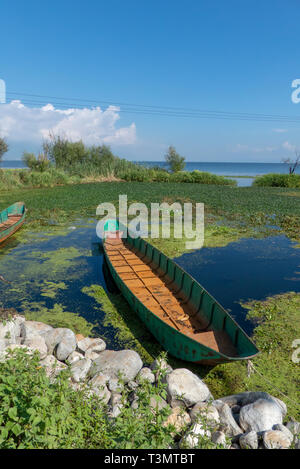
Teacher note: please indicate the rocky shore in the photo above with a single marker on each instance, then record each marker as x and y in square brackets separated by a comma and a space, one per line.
[254, 420]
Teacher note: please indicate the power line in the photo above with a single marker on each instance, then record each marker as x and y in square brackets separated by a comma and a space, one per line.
[165, 111]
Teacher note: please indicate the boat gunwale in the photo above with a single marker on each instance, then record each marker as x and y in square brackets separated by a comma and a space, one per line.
[222, 355]
[9, 231]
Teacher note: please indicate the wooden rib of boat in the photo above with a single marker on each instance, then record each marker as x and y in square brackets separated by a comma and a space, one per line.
[11, 219]
[188, 322]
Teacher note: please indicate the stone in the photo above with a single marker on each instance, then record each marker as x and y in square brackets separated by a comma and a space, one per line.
[194, 436]
[204, 411]
[146, 375]
[34, 328]
[79, 337]
[157, 403]
[132, 385]
[160, 366]
[284, 430]
[275, 439]
[124, 363]
[219, 438]
[116, 405]
[249, 440]
[229, 425]
[95, 345]
[61, 342]
[10, 330]
[114, 385]
[91, 354]
[98, 386]
[4, 354]
[246, 398]
[37, 342]
[5, 343]
[184, 385]
[74, 357]
[52, 366]
[293, 427]
[179, 418]
[260, 416]
[80, 369]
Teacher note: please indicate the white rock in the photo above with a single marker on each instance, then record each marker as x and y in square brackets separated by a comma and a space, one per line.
[160, 366]
[249, 440]
[91, 354]
[206, 412]
[184, 385]
[157, 403]
[245, 398]
[114, 385]
[116, 404]
[37, 343]
[10, 330]
[74, 357]
[5, 354]
[229, 425]
[33, 328]
[194, 436]
[61, 341]
[146, 375]
[260, 416]
[95, 345]
[293, 427]
[275, 439]
[52, 366]
[219, 438]
[125, 363]
[179, 418]
[284, 430]
[80, 369]
[98, 387]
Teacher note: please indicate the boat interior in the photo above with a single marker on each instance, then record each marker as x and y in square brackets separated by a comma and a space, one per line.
[160, 293]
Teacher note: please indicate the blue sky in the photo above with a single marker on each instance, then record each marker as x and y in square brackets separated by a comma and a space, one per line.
[234, 56]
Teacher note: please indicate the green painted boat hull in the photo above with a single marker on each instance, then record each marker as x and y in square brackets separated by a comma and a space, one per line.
[173, 341]
[17, 209]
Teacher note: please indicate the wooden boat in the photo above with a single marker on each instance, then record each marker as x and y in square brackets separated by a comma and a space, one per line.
[11, 219]
[188, 322]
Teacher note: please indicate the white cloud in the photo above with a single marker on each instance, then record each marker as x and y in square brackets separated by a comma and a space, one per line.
[280, 131]
[20, 123]
[288, 146]
[246, 148]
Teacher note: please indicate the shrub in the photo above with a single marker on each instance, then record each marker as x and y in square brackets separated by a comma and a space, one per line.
[174, 160]
[40, 163]
[37, 412]
[181, 176]
[202, 177]
[278, 180]
[3, 147]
